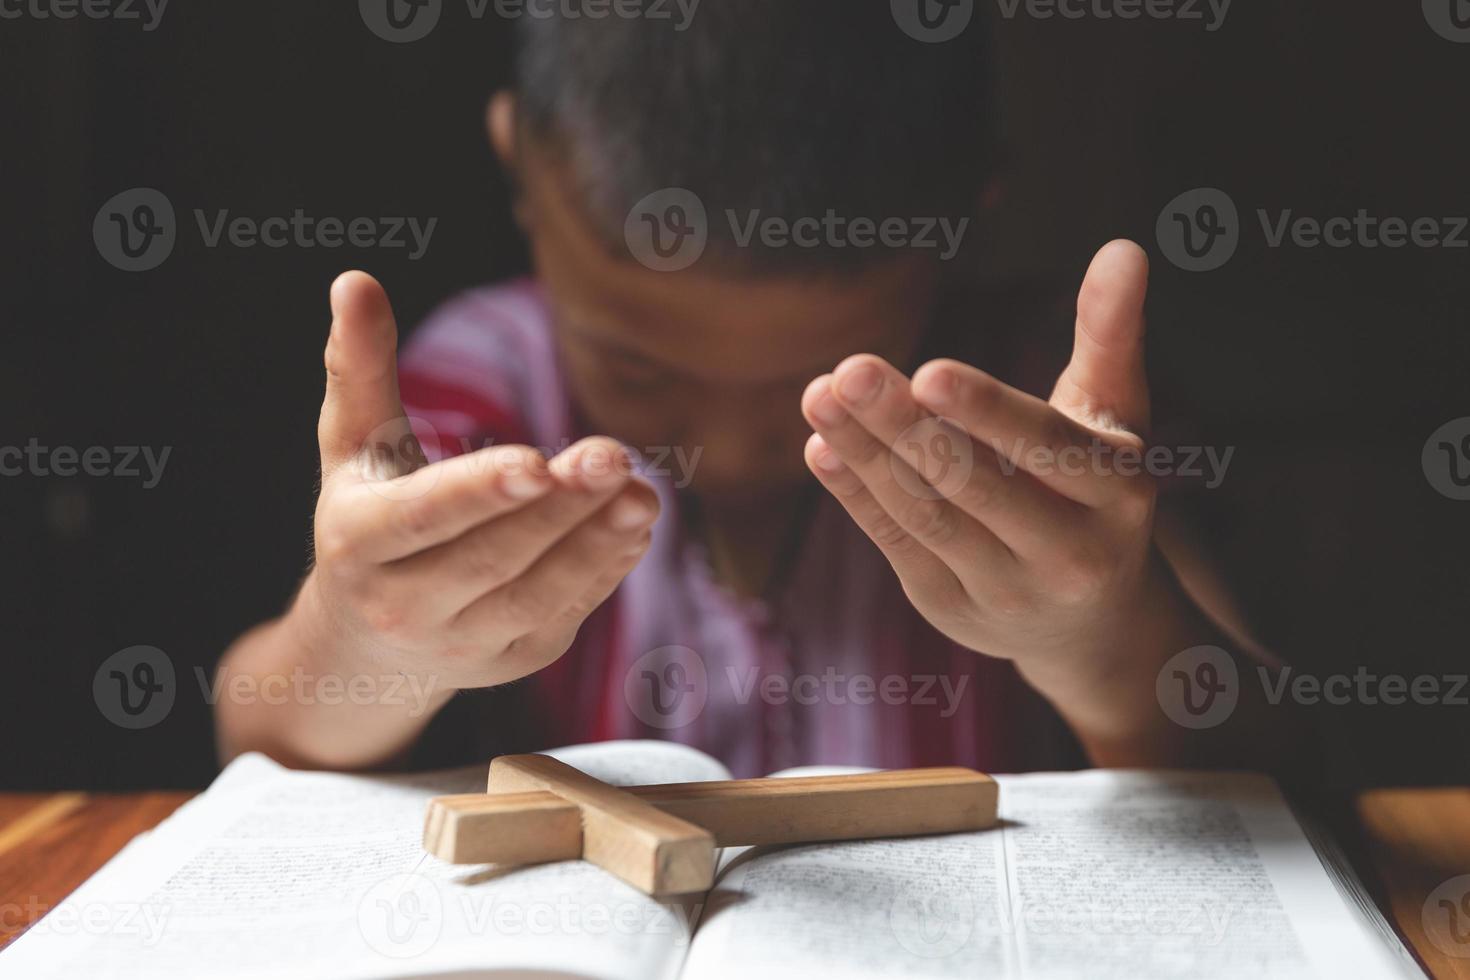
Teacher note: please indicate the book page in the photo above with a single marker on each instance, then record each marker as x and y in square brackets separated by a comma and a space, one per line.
[1121, 874]
[1096, 875]
[282, 874]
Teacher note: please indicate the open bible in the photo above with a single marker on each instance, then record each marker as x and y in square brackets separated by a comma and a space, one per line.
[280, 874]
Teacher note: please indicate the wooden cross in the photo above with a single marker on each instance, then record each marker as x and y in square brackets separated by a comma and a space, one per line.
[662, 839]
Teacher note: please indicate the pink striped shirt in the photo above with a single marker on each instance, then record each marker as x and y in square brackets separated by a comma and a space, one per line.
[839, 669]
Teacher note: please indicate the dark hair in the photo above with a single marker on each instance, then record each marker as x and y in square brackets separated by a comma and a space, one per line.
[789, 107]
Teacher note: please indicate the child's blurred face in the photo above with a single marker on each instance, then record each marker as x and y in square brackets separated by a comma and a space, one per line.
[698, 362]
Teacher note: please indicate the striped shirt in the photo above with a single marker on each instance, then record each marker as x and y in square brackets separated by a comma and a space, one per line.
[838, 669]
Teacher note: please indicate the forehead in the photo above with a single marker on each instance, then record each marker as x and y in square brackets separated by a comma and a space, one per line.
[723, 329]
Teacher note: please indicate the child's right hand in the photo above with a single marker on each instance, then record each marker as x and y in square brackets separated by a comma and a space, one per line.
[470, 572]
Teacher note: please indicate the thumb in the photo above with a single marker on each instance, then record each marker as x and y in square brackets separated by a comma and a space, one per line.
[362, 372]
[1105, 384]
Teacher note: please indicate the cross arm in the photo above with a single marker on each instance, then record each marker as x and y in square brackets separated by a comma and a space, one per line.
[526, 827]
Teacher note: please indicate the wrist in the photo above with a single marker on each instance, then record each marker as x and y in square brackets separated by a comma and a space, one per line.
[322, 642]
[1108, 681]
[329, 647]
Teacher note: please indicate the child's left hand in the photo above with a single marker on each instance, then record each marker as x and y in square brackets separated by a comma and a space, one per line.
[1041, 550]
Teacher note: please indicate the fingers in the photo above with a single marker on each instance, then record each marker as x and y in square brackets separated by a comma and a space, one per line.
[913, 562]
[555, 588]
[376, 522]
[1010, 505]
[937, 524]
[453, 575]
[1025, 432]
[570, 618]
[530, 547]
[1105, 383]
[529, 653]
[361, 362]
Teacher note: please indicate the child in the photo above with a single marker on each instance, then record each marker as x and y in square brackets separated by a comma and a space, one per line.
[815, 571]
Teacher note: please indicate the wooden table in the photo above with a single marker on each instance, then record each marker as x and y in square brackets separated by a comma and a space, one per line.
[1417, 839]
[50, 843]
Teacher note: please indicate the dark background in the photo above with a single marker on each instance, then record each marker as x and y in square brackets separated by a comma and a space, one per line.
[1326, 368]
